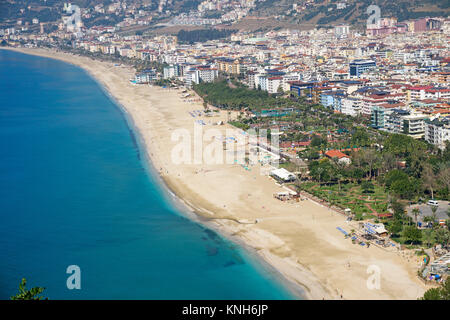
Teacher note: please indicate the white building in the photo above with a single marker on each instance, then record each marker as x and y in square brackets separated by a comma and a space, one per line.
[200, 74]
[170, 72]
[262, 82]
[251, 79]
[146, 76]
[351, 106]
[282, 175]
[273, 83]
[407, 122]
[342, 31]
[289, 77]
[437, 132]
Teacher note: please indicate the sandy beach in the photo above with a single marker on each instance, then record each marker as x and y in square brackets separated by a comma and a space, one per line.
[299, 239]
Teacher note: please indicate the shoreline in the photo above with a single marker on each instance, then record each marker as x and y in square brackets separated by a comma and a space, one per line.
[269, 243]
[184, 209]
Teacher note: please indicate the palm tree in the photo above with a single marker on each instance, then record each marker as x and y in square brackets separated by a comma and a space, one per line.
[28, 294]
[320, 171]
[416, 212]
[428, 235]
[433, 213]
[429, 178]
[339, 178]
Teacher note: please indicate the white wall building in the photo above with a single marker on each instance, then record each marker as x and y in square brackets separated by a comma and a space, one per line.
[200, 74]
[351, 106]
[437, 132]
[273, 83]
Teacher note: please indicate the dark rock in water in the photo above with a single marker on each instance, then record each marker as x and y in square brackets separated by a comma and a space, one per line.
[213, 236]
[212, 251]
[237, 258]
[229, 264]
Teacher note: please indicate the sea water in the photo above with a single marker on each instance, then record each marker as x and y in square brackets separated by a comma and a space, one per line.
[74, 190]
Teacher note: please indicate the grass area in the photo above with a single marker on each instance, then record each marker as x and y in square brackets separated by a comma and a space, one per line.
[292, 167]
[239, 125]
[351, 196]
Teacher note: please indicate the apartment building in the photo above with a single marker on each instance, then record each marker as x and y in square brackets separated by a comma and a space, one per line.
[273, 84]
[407, 122]
[358, 67]
[437, 132]
[332, 99]
[351, 106]
[172, 71]
[200, 74]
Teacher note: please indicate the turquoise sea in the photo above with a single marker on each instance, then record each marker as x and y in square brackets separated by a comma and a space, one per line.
[75, 190]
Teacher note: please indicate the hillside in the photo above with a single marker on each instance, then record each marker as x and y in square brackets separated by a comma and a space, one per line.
[332, 12]
[275, 13]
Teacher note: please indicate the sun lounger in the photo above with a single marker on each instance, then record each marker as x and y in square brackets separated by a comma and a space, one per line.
[342, 230]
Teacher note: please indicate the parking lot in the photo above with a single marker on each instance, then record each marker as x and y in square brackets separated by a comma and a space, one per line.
[425, 210]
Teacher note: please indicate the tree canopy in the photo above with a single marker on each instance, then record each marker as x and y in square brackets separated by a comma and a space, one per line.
[28, 294]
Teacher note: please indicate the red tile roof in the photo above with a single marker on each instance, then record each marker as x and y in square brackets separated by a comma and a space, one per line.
[336, 154]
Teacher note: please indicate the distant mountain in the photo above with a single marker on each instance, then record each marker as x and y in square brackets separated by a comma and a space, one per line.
[332, 12]
[288, 12]
[50, 10]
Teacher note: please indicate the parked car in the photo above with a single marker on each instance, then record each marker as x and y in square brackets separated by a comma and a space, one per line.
[432, 203]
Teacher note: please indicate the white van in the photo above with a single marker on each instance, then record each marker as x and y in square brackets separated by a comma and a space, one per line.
[433, 203]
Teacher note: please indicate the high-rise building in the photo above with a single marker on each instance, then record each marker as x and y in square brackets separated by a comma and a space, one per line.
[357, 67]
[437, 132]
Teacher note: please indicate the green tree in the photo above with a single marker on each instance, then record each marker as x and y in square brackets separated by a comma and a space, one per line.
[405, 188]
[318, 141]
[412, 234]
[393, 176]
[399, 210]
[415, 212]
[369, 158]
[429, 178]
[428, 237]
[31, 294]
[360, 137]
[441, 293]
[367, 187]
[433, 213]
[432, 294]
[339, 178]
[442, 236]
[402, 146]
[395, 227]
[321, 171]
